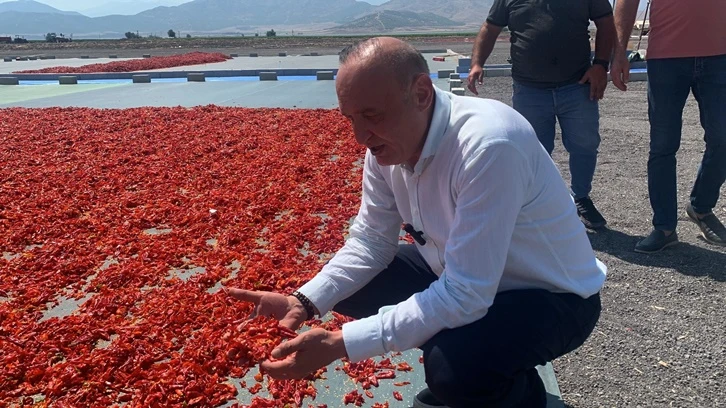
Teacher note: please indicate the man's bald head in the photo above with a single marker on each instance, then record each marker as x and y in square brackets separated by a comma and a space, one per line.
[400, 58]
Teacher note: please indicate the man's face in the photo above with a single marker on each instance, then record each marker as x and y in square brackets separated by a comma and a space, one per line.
[386, 118]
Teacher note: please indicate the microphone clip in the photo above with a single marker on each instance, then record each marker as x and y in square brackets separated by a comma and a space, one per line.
[417, 235]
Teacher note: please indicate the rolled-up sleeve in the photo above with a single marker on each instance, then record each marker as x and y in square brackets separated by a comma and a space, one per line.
[491, 187]
[371, 245]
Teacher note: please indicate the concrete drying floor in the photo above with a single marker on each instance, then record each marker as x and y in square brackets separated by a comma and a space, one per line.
[242, 62]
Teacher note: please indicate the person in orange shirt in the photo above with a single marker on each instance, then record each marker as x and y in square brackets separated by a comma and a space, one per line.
[686, 53]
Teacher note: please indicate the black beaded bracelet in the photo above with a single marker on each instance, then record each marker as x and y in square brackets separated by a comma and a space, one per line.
[307, 304]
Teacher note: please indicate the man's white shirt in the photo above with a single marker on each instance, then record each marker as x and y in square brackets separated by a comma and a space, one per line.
[496, 216]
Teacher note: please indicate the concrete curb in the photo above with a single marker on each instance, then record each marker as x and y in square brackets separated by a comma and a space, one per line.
[196, 77]
[489, 71]
[176, 74]
[268, 76]
[325, 75]
[68, 80]
[554, 396]
[141, 79]
[9, 81]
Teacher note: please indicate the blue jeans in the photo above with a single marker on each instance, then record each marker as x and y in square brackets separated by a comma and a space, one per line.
[669, 83]
[579, 119]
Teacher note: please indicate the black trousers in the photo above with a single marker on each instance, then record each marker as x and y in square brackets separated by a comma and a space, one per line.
[491, 362]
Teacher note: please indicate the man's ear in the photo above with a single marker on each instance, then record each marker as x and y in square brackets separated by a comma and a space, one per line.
[423, 91]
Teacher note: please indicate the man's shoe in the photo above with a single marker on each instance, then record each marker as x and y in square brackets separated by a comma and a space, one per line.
[426, 399]
[656, 242]
[589, 215]
[711, 228]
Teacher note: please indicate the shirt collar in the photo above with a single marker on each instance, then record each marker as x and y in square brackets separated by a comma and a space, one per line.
[439, 124]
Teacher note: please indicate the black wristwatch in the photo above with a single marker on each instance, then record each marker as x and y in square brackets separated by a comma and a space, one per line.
[605, 64]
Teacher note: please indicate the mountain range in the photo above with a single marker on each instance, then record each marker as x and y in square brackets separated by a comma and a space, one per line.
[30, 18]
[126, 7]
[30, 6]
[385, 20]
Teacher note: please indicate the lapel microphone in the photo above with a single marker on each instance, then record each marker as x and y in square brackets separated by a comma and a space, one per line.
[417, 235]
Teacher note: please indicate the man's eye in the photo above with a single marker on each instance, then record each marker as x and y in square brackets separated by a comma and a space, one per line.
[373, 117]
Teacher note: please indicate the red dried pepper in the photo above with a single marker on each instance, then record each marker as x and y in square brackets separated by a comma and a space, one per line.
[353, 397]
[83, 197]
[170, 61]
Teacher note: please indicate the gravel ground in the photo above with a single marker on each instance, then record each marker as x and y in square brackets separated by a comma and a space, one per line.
[661, 339]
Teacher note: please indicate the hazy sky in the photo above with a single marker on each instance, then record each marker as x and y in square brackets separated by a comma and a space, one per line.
[80, 5]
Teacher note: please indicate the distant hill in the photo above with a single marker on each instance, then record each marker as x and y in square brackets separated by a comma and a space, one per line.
[386, 20]
[127, 7]
[30, 6]
[219, 14]
[465, 11]
[213, 16]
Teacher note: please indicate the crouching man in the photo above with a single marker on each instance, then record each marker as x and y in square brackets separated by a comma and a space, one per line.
[502, 277]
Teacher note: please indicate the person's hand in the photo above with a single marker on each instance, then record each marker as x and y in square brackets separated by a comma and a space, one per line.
[287, 309]
[299, 357]
[597, 76]
[620, 71]
[476, 75]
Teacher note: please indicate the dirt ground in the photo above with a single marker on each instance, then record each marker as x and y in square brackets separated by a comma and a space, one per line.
[241, 45]
[661, 338]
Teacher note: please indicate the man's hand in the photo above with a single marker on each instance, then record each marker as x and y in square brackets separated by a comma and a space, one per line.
[620, 71]
[597, 76]
[303, 355]
[476, 75]
[287, 309]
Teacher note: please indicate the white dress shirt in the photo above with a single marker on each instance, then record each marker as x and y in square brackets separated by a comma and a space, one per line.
[495, 213]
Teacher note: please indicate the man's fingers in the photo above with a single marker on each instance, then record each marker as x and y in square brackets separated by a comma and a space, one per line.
[600, 93]
[281, 369]
[475, 78]
[290, 322]
[244, 295]
[585, 78]
[288, 347]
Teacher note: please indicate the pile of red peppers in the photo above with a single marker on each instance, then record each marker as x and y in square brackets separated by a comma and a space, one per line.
[170, 61]
[271, 190]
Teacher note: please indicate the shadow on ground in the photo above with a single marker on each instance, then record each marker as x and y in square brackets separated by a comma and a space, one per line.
[684, 258]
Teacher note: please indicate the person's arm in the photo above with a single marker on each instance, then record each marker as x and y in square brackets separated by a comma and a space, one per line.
[625, 13]
[371, 245]
[601, 12]
[605, 37]
[491, 186]
[485, 40]
[484, 43]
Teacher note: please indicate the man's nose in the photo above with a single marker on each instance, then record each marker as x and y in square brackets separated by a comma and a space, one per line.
[362, 134]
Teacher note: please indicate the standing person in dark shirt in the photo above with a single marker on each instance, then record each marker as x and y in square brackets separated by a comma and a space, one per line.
[554, 79]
